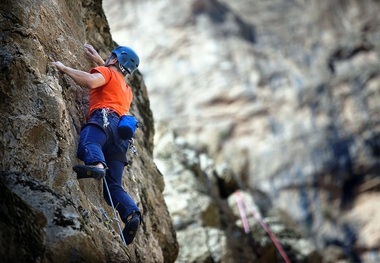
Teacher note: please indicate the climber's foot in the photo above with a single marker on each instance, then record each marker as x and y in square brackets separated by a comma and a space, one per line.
[89, 171]
[131, 225]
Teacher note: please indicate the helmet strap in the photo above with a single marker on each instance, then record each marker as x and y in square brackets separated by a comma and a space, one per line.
[123, 70]
[107, 61]
[116, 64]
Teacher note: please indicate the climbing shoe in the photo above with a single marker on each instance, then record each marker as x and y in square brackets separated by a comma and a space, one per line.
[131, 225]
[89, 171]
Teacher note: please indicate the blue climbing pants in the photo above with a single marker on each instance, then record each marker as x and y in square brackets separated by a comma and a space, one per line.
[100, 142]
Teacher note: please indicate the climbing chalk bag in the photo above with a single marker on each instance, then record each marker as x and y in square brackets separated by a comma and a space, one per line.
[127, 126]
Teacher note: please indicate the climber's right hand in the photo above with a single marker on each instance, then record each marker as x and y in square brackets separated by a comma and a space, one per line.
[93, 54]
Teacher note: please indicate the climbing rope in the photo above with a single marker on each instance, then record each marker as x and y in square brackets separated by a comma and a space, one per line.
[114, 212]
[241, 203]
[134, 151]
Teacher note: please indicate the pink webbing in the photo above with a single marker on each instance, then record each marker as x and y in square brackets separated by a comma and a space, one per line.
[241, 204]
[242, 213]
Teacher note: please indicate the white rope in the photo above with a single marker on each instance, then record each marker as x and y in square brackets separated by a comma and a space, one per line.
[114, 212]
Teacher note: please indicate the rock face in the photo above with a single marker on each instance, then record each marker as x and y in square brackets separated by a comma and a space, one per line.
[207, 210]
[47, 215]
[286, 92]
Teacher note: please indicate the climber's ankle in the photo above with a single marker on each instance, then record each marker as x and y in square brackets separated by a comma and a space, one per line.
[99, 165]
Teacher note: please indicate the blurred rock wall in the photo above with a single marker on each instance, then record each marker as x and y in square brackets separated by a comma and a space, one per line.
[286, 92]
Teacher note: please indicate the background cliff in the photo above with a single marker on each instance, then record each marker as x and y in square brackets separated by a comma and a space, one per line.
[47, 215]
[286, 94]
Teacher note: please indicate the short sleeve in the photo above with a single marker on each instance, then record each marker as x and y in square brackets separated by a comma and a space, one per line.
[106, 72]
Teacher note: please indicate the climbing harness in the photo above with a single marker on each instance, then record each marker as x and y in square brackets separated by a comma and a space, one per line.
[114, 212]
[105, 112]
[241, 203]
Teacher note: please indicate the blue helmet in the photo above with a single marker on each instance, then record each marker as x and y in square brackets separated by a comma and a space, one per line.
[127, 58]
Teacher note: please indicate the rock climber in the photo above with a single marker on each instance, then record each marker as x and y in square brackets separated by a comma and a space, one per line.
[100, 145]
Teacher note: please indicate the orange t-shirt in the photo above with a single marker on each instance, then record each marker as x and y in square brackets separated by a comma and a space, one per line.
[115, 94]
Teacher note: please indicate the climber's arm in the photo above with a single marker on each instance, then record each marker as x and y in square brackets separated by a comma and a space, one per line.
[80, 77]
[93, 54]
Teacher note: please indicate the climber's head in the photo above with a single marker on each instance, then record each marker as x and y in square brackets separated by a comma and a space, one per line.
[128, 61]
